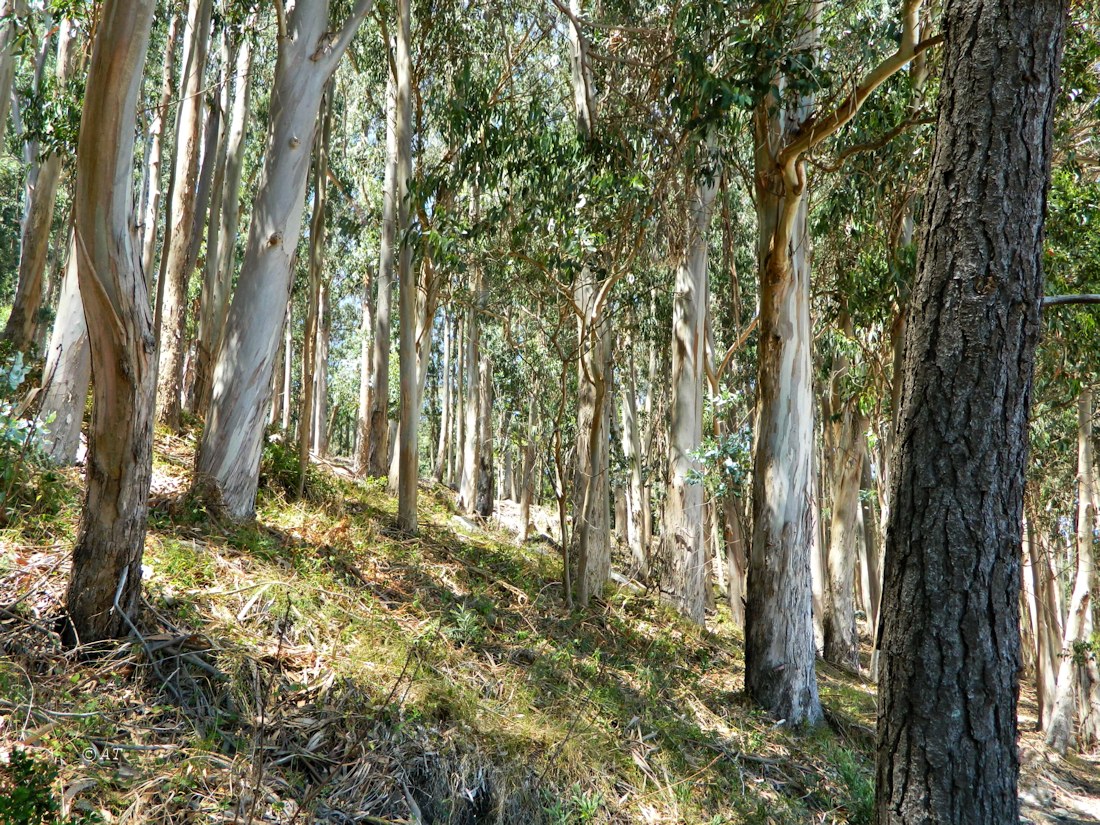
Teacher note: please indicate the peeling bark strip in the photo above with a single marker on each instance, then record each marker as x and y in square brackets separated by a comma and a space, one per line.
[950, 623]
[106, 575]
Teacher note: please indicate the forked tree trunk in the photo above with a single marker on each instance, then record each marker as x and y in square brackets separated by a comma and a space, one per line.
[105, 585]
[229, 453]
[1060, 730]
[683, 550]
[23, 322]
[374, 444]
[409, 441]
[178, 262]
[779, 629]
[68, 370]
[949, 669]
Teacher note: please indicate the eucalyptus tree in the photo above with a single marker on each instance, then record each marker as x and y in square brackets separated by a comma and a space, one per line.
[22, 326]
[950, 630]
[310, 48]
[105, 583]
[178, 261]
[155, 149]
[222, 239]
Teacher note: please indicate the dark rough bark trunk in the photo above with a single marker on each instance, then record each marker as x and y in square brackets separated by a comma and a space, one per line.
[105, 586]
[950, 622]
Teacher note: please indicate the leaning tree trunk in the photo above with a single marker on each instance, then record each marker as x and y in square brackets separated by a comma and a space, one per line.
[68, 371]
[22, 326]
[374, 444]
[105, 585]
[178, 262]
[408, 445]
[9, 10]
[229, 453]
[1060, 733]
[949, 667]
[683, 552]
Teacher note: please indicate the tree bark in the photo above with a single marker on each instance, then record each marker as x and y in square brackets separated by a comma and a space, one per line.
[950, 621]
[409, 442]
[229, 453]
[105, 585]
[483, 506]
[221, 241]
[21, 329]
[178, 262]
[683, 552]
[156, 151]
[8, 10]
[444, 404]
[632, 453]
[471, 446]
[68, 370]
[779, 627]
[374, 446]
[310, 362]
[1060, 731]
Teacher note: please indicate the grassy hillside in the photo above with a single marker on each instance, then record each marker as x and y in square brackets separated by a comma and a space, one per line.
[316, 667]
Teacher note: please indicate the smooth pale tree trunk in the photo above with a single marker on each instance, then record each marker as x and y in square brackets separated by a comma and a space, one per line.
[222, 244]
[374, 445]
[527, 472]
[471, 446]
[1049, 641]
[848, 426]
[483, 505]
[632, 454]
[105, 584]
[736, 542]
[1060, 730]
[22, 326]
[178, 263]
[310, 361]
[320, 390]
[591, 483]
[68, 371]
[949, 669]
[8, 9]
[207, 335]
[229, 453]
[156, 150]
[408, 446]
[779, 628]
[288, 365]
[458, 414]
[444, 404]
[683, 550]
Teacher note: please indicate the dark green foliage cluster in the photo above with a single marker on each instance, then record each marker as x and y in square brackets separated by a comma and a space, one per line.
[26, 793]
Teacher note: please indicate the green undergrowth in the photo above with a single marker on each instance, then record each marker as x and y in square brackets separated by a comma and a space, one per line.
[315, 665]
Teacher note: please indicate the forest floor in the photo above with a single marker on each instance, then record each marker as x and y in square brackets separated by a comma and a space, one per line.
[316, 666]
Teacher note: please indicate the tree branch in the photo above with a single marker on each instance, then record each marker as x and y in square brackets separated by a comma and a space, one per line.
[1059, 300]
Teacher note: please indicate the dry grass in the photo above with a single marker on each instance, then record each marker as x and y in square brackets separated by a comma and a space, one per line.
[316, 667]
